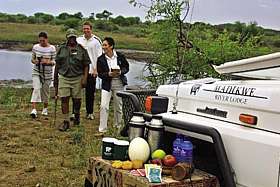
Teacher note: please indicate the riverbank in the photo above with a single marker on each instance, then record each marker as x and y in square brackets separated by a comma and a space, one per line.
[15, 46]
[22, 36]
[134, 54]
[16, 83]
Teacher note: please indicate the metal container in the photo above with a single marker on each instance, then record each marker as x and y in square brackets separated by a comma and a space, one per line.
[136, 126]
[154, 134]
[156, 121]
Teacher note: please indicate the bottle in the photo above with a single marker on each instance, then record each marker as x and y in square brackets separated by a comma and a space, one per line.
[177, 148]
[186, 151]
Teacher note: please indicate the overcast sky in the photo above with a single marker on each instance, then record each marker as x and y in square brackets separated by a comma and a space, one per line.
[265, 12]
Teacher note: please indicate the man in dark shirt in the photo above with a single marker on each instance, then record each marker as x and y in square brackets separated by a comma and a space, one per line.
[71, 71]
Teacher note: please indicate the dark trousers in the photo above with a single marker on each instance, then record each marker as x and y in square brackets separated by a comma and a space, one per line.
[90, 92]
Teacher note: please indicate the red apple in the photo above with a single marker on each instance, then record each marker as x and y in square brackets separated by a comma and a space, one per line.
[169, 160]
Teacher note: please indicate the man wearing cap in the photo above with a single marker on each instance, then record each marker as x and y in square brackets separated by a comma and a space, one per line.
[93, 46]
[71, 72]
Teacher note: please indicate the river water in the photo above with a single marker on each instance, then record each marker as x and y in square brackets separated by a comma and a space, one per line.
[17, 65]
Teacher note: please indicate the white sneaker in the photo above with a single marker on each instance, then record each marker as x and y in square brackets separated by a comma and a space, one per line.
[33, 113]
[90, 116]
[102, 130]
[45, 112]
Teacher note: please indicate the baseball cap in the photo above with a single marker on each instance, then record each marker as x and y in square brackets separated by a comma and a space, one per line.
[70, 33]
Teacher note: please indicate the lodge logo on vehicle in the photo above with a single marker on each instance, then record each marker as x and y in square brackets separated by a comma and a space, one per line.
[195, 89]
[236, 90]
[234, 94]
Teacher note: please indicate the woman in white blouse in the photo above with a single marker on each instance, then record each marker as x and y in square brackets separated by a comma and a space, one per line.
[111, 67]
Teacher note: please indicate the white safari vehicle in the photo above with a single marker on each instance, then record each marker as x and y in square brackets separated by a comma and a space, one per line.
[236, 122]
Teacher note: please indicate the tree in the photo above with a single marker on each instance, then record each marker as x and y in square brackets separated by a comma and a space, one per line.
[11, 18]
[185, 51]
[102, 25]
[91, 17]
[133, 20]
[21, 18]
[31, 19]
[104, 15]
[99, 16]
[72, 23]
[63, 16]
[120, 20]
[173, 35]
[47, 18]
[43, 18]
[39, 14]
[78, 15]
[107, 14]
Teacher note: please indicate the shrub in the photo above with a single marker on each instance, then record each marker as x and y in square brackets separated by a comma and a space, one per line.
[105, 26]
[72, 23]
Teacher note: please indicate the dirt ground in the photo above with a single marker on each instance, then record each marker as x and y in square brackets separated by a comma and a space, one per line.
[33, 152]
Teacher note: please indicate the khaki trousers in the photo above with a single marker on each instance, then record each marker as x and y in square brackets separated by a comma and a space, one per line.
[104, 108]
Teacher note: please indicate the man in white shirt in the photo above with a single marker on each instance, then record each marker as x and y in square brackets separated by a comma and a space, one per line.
[94, 48]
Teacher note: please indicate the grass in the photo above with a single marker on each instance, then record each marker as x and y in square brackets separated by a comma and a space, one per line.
[27, 35]
[34, 151]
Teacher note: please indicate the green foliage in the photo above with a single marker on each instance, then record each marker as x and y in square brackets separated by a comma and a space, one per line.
[9, 100]
[29, 35]
[104, 15]
[130, 31]
[105, 26]
[210, 47]
[60, 159]
[21, 18]
[78, 15]
[120, 20]
[63, 16]
[72, 23]
[133, 20]
[137, 31]
[43, 18]
[221, 47]
[31, 19]
[11, 18]
[3, 17]
[91, 17]
[185, 51]
[126, 21]
[276, 43]
[77, 135]
[6, 97]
